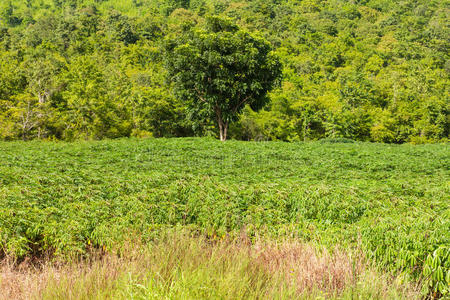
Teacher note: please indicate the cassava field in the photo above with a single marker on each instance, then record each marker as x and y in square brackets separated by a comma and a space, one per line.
[195, 218]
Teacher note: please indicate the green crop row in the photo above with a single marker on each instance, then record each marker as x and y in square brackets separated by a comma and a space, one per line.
[390, 200]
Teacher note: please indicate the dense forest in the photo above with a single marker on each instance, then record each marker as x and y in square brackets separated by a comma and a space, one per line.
[370, 70]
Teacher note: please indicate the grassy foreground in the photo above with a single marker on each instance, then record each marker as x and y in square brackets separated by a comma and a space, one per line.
[182, 266]
[69, 200]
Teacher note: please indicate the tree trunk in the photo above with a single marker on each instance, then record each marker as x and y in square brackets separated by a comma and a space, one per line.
[42, 97]
[222, 138]
[223, 131]
[223, 126]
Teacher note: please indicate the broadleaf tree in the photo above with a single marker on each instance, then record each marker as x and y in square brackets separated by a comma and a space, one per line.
[218, 69]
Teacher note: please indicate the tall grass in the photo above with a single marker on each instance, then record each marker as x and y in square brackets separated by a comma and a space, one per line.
[184, 266]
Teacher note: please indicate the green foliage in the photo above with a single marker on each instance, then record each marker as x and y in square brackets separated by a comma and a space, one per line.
[96, 111]
[371, 70]
[389, 200]
[220, 69]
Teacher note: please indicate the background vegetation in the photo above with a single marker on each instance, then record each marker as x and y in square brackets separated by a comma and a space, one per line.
[388, 201]
[372, 70]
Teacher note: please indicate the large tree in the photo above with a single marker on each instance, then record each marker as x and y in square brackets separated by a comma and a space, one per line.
[218, 69]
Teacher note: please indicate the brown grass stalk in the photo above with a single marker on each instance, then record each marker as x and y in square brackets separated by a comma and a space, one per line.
[268, 266]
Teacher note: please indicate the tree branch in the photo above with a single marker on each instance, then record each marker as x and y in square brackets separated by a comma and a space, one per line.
[240, 103]
[199, 95]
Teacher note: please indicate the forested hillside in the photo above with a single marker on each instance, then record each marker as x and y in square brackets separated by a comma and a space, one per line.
[375, 70]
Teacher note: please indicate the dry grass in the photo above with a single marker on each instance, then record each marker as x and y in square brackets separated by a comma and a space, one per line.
[20, 283]
[180, 266]
[77, 281]
[301, 265]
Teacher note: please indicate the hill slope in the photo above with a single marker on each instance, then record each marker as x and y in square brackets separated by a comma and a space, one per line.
[368, 70]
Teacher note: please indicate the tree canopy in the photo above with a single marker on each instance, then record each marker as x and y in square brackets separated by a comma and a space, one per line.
[219, 69]
[372, 70]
